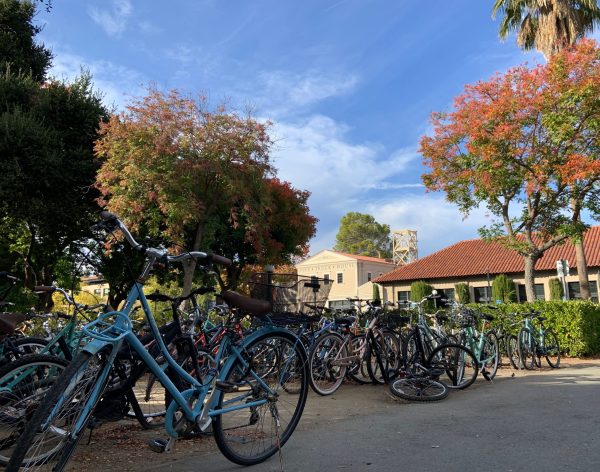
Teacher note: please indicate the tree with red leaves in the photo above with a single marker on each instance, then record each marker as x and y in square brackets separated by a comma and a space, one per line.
[525, 145]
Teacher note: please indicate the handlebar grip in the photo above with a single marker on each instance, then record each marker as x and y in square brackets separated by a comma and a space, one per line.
[224, 261]
[44, 288]
[108, 216]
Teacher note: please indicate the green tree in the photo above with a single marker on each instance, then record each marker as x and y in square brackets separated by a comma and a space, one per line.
[503, 289]
[360, 234]
[547, 25]
[376, 295]
[463, 295]
[19, 52]
[556, 289]
[419, 290]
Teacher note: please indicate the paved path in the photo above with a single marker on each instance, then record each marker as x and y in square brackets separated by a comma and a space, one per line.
[541, 421]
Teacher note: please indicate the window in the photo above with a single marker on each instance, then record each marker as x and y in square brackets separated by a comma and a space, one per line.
[575, 292]
[340, 304]
[403, 296]
[537, 288]
[449, 292]
[369, 276]
[482, 294]
[97, 291]
[106, 291]
[340, 278]
[326, 278]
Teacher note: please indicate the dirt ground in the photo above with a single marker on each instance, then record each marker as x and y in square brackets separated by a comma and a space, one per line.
[125, 443]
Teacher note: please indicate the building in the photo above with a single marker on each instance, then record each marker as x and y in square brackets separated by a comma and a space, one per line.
[95, 285]
[352, 275]
[476, 262]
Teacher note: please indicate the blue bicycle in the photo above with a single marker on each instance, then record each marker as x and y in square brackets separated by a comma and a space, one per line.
[253, 397]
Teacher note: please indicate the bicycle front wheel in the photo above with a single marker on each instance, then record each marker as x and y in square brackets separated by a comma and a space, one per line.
[389, 350]
[456, 365]
[490, 354]
[419, 389]
[527, 349]
[50, 437]
[264, 407]
[326, 371]
[551, 349]
[512, 349]
[23, 385]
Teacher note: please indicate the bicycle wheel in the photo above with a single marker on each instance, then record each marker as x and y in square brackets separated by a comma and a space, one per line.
[50, 437]
[456, 365]
[357, 371]
[512, 348]
[326, 376]
[23, 384]
[490, 355]
[30, 345]
[148, 404]
[389, 350]
[420, 389]
[251, 434]
[551, 349]
[527, 349]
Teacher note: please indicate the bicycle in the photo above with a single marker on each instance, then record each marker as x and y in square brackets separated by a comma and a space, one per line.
[534, 343]
[233, 397]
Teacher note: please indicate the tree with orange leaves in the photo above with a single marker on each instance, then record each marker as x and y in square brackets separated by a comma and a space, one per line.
[524, 144]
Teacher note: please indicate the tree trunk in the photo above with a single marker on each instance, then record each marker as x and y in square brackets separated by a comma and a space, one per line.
[582, 270]
[530, 261]
[189, 266]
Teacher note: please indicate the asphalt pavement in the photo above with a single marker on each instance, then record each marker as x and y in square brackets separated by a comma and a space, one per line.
[547, 420]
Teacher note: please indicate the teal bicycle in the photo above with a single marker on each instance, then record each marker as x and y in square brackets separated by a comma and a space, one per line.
[533, 343]
[253, 407]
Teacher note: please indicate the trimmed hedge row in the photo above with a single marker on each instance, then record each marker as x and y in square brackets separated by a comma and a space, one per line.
[576, 323]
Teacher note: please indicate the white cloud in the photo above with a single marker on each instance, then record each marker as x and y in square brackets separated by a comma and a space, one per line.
[112, 20]
[116, 82]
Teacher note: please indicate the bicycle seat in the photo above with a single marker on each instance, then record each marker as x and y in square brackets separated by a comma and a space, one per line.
[348, 320]
[10, 321]
[249, 305]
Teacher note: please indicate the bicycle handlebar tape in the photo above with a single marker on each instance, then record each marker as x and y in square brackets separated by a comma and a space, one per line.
[44, 288]
[108, 216]
[224, 261]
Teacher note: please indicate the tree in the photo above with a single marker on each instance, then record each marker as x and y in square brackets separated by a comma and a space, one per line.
[547, 25]
[201, 179]
[19, 53]
[419, 290]
[550, 26]
[462, 293]
[516, 144]
[360, 234]
[556, 289]
[503, 289]
[376, 295]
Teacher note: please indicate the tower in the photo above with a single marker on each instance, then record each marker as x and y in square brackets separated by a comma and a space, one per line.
[404, 246]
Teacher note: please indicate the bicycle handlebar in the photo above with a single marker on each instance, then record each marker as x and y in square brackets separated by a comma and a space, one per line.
[160, 253]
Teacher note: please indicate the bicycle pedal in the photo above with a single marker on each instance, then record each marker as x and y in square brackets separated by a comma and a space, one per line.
[486, 375]
[161, 445]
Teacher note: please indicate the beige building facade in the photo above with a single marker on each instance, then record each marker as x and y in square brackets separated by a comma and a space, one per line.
[95, 285]
[352, 275]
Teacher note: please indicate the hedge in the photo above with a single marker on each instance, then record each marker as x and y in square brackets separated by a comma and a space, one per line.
[576, 323]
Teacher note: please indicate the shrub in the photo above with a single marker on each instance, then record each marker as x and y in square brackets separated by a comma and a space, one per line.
[419, 290]
[462, 293]
[503, 289]
[556, 289]
[376, 295]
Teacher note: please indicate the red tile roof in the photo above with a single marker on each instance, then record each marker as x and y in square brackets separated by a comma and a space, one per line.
[364, 258]
[478, 257]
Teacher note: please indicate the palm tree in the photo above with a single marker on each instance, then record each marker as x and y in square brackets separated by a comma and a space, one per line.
[549, 26]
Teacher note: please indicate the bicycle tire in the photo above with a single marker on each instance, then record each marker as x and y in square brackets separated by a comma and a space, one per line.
[30, 345]
[148, 401]
[457, 365]
[490, 354]
[240, 434]
[34, 376]
[552, 351]
[512, 349]
[421, 389]
[326, 377]
[527, 348]
[357, 371]
[389, 351]
[72, 389]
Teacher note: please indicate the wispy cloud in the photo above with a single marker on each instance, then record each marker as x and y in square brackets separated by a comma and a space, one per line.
[113, 20]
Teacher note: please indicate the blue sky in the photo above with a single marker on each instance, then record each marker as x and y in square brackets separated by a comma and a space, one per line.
[348, 84]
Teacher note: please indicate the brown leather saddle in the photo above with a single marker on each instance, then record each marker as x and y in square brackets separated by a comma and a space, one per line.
[10, 321]
[251, 306]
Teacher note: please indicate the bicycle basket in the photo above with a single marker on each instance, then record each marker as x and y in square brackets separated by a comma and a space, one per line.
[465, 318]
[291, 293]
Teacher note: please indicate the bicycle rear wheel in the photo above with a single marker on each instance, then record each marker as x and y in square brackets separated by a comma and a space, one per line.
[23, 385]
[357, 370]
[50, 437]
[325, 375]
[527, 349]
[490, 354]
[551, 349]
[389, 349]
[251, 434]
[420, 389]
[512, 348]
[457, 365]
